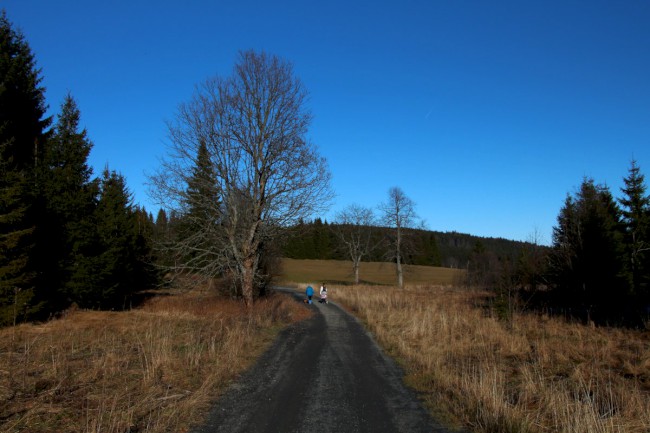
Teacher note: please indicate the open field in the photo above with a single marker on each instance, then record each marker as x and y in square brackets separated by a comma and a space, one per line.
[155, 369]
[340, 272]
[534, 374]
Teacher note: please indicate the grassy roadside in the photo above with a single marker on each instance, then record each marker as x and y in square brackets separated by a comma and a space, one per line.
[155, 369]
[538, 374]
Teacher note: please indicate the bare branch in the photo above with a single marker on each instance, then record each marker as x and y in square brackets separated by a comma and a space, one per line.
[266, 174]
[353, 228]
[399, 212]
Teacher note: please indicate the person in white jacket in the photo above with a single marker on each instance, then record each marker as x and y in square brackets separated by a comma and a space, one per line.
[323, 294]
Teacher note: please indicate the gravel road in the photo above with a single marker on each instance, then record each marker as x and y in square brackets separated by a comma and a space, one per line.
[324, 374]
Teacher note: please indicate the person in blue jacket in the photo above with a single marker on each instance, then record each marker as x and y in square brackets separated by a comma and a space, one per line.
[310, 293]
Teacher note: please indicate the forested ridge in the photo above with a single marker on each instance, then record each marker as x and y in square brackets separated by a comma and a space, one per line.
[317, 239]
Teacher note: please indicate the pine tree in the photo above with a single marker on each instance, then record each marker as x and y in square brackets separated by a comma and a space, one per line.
[145, 273]
[116, 229]
[191, 240]
[425, 250]
[162, 241]
[586, 257]
[66, 159]
[202, 197]
[294, 241]
[202, 214]
[321, 240]
[22, 132]
[636, 218]
[22, 101]
[124, 236]
[69, 197]
[161, 222]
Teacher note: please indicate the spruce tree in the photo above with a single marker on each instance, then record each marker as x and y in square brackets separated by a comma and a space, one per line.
[22, 101]
[162, 241]
[192, 239]
[425, 250]
[116, 229]
[201, 211]
[22, 133]
[161, 222]
[202, 197]
[145, 273]
[587, 254]
[636, 217]
[69, 197]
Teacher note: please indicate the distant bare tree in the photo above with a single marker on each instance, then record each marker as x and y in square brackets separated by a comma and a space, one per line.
[353, 228]
[533, 261]
[267, 175]
[398, 212]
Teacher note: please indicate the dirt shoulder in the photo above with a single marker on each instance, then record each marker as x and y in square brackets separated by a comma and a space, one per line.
[323, 374]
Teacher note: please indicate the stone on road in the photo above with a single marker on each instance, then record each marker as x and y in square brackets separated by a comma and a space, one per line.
[324, 374]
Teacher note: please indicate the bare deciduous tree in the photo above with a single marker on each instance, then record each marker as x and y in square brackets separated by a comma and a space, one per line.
[267, 175]
[353, 228]
[398, 212]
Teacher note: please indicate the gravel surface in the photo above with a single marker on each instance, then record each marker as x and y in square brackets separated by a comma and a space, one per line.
[324, 374]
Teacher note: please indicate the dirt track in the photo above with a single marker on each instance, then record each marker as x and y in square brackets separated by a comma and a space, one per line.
[325, 374]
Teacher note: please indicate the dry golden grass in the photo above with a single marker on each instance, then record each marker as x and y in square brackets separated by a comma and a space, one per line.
[335, 271]
[536, 374]
[154, 369]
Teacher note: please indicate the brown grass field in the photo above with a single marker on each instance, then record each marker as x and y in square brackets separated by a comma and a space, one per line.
[534, 374]
[157, 368]
[154, 369]
[340, 272]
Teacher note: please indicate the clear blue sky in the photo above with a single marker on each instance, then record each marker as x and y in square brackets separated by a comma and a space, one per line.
[486, 113]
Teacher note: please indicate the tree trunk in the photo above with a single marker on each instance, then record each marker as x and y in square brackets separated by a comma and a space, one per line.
[355, 267]
[400, 276]
[248, 281]
[398, 257]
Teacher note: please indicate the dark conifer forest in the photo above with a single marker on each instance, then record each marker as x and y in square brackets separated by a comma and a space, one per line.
[66, 237]
[317, 240]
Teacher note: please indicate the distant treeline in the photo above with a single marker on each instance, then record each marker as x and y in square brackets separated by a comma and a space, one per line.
[317, 240]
